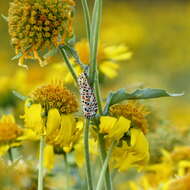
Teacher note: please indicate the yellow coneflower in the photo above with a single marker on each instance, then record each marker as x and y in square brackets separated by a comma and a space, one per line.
[133, 111]
[49, 111]
[107, 58]
[9, 133]
[37, 25]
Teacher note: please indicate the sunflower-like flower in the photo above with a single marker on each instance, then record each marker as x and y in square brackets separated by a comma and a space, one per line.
[133, 111]
[126, 127]
[107, 58]
[49, 112]
[9, 133]
[37, 25]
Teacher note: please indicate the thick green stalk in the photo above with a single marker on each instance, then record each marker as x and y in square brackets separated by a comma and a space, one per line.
[70, 67]
[104, 168]
[108, 183]
[41, 158]
[97, 92]
[94, 38]
[86, 17]
[87, 155]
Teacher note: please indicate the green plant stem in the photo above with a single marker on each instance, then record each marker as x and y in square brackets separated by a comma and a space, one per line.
[41, 158]
[94, 38]
[87, 154]
[97, 92]
[86, 17]
[66, 172]
[70, 67]
[104, 168]
[107, 179]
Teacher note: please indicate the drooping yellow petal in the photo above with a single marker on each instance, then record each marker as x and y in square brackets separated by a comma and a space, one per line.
[120, 127]
[107, 123]
[3, 149]
[32, 117]
[49, 157]
[139, 141]
[53, 121]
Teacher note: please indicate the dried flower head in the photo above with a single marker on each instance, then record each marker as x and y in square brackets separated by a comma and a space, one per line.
[132, 111]
[55, 95]
[9, 130]
[37, 24]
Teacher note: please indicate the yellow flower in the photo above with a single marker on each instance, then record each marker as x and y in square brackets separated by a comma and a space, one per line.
[132, 111]
[37, 25]
[49, 112]
[134, 155]
[114, 128]
[107, 57]
[9, 133]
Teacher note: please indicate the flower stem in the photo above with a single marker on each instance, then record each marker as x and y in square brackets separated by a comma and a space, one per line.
[107, 179]
[86, 17]
[87, 155]
[66, 172]
[40, 170]
[69, 66]
[104, 168]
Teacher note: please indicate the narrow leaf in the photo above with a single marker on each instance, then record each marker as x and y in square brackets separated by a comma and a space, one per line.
[147, 93]
[4, 17]
[105, 165]
[20, 96]
[72, 52]
[17, 56]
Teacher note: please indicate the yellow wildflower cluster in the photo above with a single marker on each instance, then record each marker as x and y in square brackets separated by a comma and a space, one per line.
[36, 25]
[132, 111]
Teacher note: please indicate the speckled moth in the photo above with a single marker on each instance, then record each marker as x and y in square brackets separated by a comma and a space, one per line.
[88, 99]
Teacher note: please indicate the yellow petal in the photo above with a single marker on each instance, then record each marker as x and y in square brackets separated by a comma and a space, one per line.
[49, 157]
[108, 70]
[107, 123]
[121, 127]
[4, 149]
[53, 121]
[32, 117]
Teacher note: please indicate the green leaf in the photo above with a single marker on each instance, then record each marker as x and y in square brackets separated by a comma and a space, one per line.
[17, 56]
[147, 93]
[4, 17]
[20, 96]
